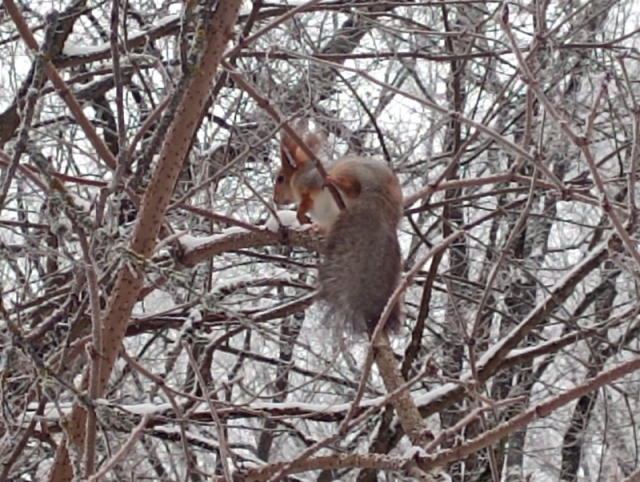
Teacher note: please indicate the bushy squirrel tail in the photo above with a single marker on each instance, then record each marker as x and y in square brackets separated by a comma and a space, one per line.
[363, 263]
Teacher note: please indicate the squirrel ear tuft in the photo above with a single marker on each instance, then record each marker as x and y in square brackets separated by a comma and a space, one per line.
[292, 155]
[288, 154]
[315, 140]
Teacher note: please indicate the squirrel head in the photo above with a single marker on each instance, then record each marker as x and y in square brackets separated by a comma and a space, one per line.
[293, 159]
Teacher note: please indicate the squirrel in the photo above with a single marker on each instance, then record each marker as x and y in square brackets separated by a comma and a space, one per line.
[362, 263]
[298, 181]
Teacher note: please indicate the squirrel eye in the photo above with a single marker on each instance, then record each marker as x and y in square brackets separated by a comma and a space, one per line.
[280, 179]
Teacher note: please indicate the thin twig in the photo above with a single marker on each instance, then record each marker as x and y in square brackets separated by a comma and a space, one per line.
[225, 452]
[406, 420]
[278, 117]
[582, 142]
[124, 450]
[488, 131]
[61, 87]
[95, 349]
[349, 425]
[169, 394]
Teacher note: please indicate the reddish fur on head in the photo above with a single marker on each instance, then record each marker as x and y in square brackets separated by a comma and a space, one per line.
[297, 180]
[363, 261]
[290, 161]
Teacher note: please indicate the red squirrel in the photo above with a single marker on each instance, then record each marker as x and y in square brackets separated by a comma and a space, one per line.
[298, 181]
[362, 264]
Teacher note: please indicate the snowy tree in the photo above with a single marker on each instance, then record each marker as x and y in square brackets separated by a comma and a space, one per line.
[157, 315]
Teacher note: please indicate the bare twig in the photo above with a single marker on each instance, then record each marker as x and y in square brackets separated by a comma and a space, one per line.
[124, 450]
[225, 452]
[582, 142]
[61, 87]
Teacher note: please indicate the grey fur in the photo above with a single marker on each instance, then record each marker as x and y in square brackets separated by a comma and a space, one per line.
[362, 264]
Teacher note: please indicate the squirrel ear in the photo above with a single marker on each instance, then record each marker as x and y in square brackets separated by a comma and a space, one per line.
[286, 157]
[315, 140]
[300, 125]
[291, 156]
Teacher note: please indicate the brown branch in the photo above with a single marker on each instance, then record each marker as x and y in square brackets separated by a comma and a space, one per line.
[124, 450]
[95, 349]
[541, 410]
[428, 462]
[278, 117]
[169, 393]
[225, 451]
[61, 87]
[582, 142]
[219, 244]
[130, 279]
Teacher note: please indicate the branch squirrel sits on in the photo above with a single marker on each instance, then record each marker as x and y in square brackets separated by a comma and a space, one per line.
[362, 264]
